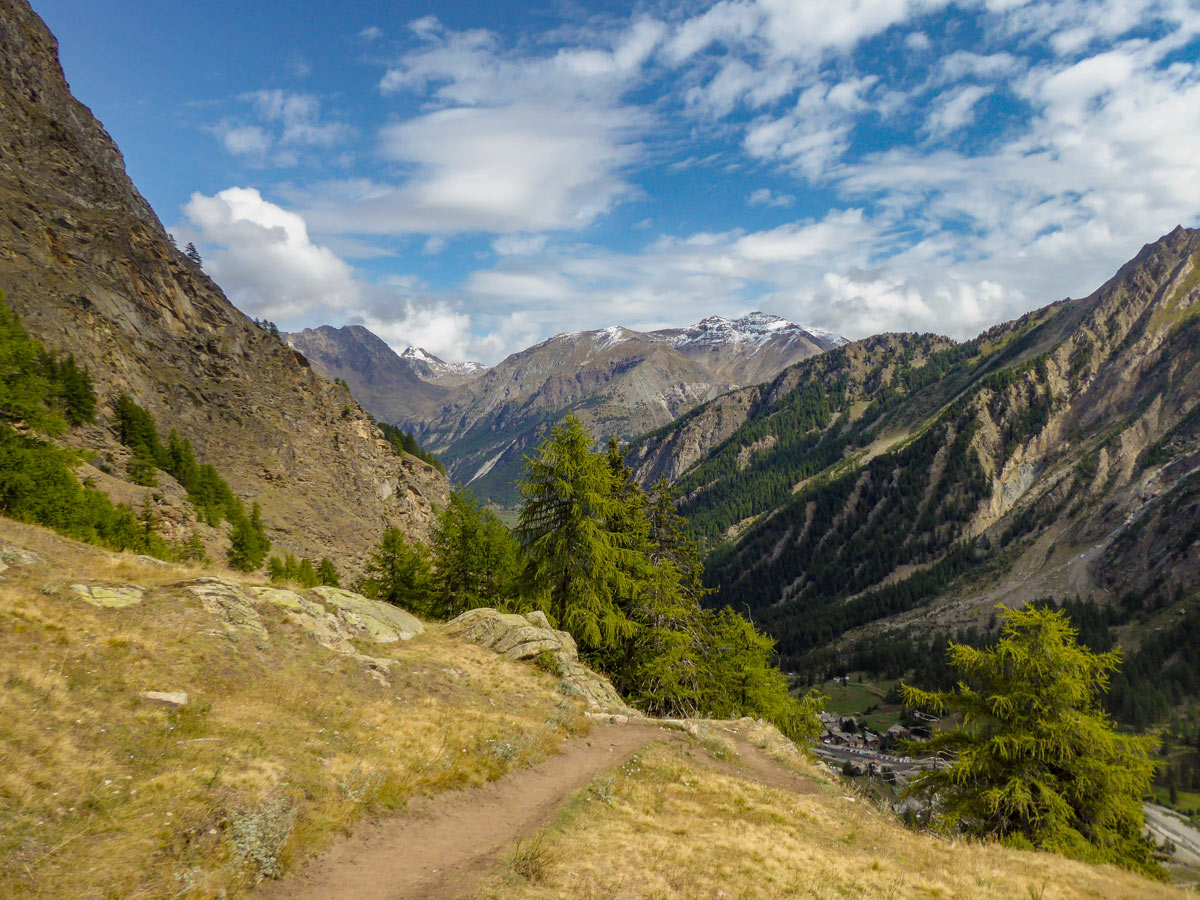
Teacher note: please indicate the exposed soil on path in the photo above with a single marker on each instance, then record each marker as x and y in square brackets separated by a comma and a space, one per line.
[443, 844]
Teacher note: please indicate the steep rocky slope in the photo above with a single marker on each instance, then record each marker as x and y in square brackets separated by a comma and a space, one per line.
[904, 480]
[86, 264]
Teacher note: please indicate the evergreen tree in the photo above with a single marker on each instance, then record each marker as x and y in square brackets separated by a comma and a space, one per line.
[77, 393]
[577, 562]
[475, 557]
[398, 572]
[1038, 763]
[248, 541]
[26, 388]
[327, 573]
[192, 253]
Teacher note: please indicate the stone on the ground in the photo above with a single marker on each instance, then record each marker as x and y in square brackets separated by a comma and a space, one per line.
[229, 602]
[12, 555]
[519, 637]
[173, 699]
[379, 622]
[108, 595]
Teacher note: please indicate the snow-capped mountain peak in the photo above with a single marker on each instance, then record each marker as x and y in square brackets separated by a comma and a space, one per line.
[431, 368]
[753, 328]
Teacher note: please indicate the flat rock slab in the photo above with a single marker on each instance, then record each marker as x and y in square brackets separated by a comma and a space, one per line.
[108, 595]
[12, 555]
[379, 622]
[228, 602]
[173, 699]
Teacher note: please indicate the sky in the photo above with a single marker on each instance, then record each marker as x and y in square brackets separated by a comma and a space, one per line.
[474, 177]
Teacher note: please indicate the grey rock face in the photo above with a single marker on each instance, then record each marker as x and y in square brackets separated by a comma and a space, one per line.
[519, 637]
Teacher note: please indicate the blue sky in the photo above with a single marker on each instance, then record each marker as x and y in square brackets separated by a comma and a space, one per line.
[474, 177]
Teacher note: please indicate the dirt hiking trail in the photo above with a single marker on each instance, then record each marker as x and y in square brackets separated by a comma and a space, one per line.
[442, 845]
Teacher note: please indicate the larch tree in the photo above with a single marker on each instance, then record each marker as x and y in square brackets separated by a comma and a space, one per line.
[1036, 762]
[578, 562]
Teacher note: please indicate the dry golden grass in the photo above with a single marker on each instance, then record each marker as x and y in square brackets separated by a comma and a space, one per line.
[282, 745]
[663, 826]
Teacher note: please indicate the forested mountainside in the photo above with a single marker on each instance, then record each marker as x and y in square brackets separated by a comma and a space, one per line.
[905, 479]
[87, 266]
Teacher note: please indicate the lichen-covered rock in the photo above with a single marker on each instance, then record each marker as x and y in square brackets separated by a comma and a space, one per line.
[108, 595]
[12, 555]
[518, 637]
[379, 622]
[229, 602]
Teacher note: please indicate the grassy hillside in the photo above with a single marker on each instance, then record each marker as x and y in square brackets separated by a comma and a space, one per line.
[282, 743]
[669, 824]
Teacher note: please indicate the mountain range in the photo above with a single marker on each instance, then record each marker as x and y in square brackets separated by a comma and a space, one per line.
[907, 484]
[482, 421]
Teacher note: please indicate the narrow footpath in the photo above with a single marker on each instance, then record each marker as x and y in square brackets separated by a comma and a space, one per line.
[442, 845]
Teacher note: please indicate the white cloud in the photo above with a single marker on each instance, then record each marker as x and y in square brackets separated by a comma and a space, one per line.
[917, 41]
[519, 245]
[766, 197]
[287, 123]
[371, 33]
[514, 143]
[298, 116]
[954, 110]
[262, 255]
[434, 327]
[244, 140]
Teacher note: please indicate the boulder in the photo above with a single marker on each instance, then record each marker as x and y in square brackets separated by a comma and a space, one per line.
[379, 622]
[229, 602]
[112, 596]
[518, 637]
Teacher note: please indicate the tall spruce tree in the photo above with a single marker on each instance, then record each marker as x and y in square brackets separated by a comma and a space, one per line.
[1037, 762]
[578, 562]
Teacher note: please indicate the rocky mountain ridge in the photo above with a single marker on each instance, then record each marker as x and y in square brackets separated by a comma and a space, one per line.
[87, 266]
[908, 481]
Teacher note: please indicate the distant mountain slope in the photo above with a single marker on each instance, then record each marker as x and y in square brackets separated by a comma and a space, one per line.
[388, 385]
[86, 264]
[482, 421]
[907, 477]
[618, 381]
[437, 371]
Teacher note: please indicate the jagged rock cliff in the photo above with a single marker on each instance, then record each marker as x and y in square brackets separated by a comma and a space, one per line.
[86, 264]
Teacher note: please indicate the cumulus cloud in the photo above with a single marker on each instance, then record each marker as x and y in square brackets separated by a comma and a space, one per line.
[263, 256]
